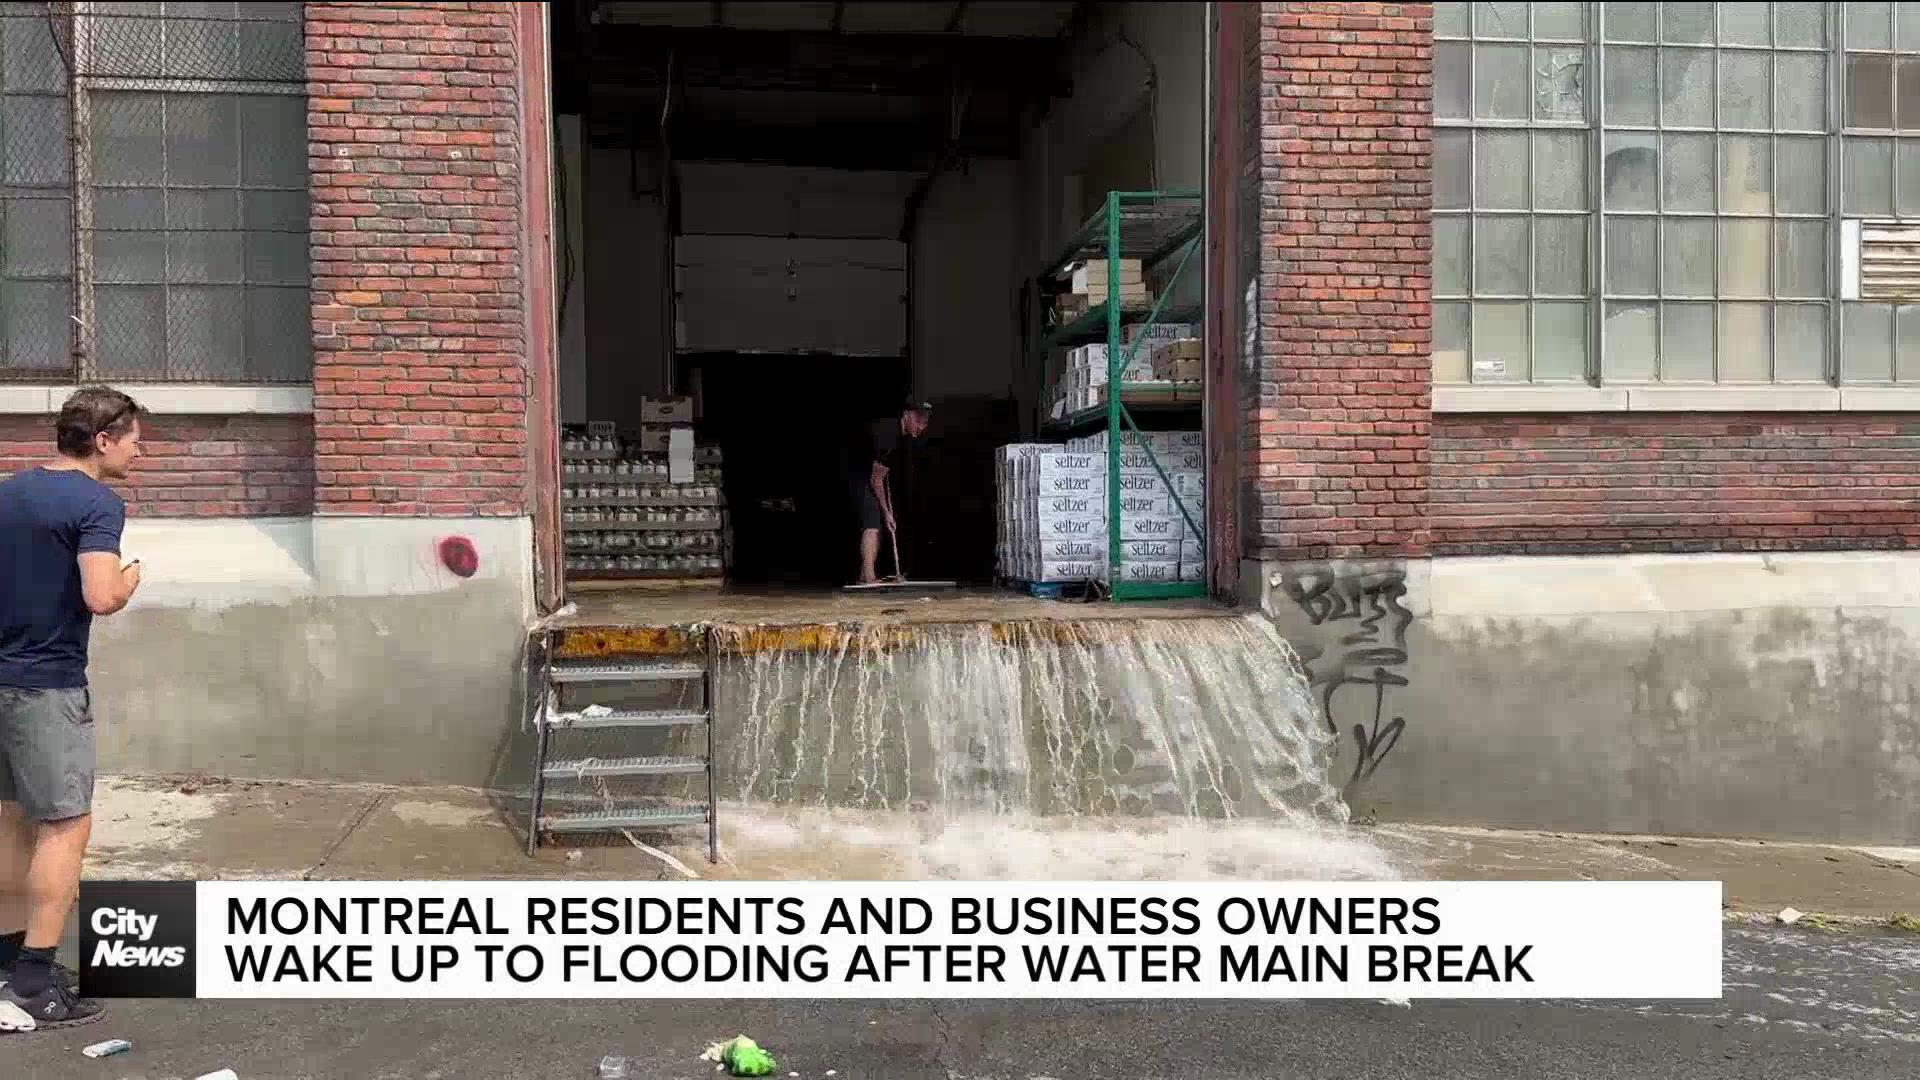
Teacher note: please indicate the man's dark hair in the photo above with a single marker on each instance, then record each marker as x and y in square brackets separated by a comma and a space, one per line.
[91, 411]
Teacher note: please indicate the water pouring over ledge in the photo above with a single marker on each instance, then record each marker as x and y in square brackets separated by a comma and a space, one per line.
[1191, 718]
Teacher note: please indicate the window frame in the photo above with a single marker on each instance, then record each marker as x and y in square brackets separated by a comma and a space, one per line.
[1836, 134]
[276, 392]
[1472, 127]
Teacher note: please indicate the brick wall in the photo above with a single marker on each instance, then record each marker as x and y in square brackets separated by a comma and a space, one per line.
[1674, 482]
[420, 385]
[1341, 430]
[196, 466]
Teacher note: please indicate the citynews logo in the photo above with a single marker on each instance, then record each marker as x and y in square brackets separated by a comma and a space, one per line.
[116, 952]
[137, 938]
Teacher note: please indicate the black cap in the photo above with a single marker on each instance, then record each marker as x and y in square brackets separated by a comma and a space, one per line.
[917, 405]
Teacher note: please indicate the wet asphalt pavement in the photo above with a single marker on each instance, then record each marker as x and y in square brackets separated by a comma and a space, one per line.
[1798, 1005]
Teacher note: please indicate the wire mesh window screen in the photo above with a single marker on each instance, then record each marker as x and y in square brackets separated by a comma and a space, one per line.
[190, 122]
[36, 204]
[200, 236]
[198, 153]
[213, 41]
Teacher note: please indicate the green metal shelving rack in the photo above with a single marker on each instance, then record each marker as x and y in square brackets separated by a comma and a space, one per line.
[1154, 227]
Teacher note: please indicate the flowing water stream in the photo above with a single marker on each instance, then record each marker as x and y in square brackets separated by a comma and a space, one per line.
[1186, 718]
[1137, 749]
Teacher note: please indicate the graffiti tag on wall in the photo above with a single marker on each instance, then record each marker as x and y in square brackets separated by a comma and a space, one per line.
[1363, 606]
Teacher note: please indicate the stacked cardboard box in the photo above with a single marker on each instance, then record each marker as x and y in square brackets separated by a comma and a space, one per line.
[1087, 288]
[659, 417]
[1157, 334]
[1180, 455]
[1178, 361]
[1054, 510]
[1090, 279]
[1083, 376]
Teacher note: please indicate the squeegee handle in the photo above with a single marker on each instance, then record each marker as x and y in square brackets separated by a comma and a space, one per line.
[893, 530]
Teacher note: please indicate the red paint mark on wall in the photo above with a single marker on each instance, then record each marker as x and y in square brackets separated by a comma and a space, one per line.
[458, 555]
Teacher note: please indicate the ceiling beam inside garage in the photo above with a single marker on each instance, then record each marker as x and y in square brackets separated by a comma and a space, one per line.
[916, 64]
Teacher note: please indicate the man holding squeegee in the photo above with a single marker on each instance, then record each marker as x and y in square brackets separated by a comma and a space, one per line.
[872, 458]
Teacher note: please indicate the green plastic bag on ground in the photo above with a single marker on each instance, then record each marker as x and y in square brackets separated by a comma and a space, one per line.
[743, 1057]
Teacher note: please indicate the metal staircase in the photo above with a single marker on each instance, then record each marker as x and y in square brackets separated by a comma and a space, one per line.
[641, 733]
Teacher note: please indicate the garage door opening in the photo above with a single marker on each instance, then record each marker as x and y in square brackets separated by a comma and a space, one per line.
[776, 222]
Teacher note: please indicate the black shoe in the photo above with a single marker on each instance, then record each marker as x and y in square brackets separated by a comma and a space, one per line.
[54, 1007]
[62, 974]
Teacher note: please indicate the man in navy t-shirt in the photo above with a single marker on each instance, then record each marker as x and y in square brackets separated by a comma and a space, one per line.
[59, 567]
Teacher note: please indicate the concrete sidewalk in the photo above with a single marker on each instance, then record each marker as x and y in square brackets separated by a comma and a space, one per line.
[203, 828]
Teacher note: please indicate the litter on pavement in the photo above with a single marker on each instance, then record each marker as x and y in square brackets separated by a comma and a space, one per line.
[740, 1056]
[108, 1048]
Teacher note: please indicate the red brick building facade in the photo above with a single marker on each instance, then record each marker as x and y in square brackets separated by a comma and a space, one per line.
[421, 379]
[424, 401]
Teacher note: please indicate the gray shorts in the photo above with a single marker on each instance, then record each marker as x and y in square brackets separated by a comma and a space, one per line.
[46, 752]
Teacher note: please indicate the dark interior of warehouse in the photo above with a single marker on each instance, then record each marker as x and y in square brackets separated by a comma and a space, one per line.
[799, 214]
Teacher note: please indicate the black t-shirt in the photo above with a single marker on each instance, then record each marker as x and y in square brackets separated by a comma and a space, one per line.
[878, 441]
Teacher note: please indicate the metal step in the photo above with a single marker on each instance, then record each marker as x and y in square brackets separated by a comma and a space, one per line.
[631, 671]
[628, 718]
[646, 817]
[655, 765]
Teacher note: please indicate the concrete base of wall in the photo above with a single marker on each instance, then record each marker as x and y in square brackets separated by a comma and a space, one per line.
[330, 648]
[1739, 695]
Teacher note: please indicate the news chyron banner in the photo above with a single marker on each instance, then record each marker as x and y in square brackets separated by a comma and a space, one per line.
[894, 940]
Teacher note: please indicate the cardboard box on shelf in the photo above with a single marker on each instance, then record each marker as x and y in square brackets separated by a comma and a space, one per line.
[1131, 297]
[666, 410]
[1072, 570]
[1065, 528]
[1057, 506]
[1154, 527]
[1138, 461]
[1146, 504]
[1087, 358]
[1092, 274]
[1143, 551]
[1178, 372]
[1157, 333]
[1054, 462]
[1087, 549]
[1179, 361]
[1150, 571]
[655, 438]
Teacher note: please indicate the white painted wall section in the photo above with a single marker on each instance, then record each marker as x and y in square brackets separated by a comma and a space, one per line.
[220, 562]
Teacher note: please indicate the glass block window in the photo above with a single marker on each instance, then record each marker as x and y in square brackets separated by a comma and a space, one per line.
[1676, 180]
[1714, 192]
[1511, 193]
